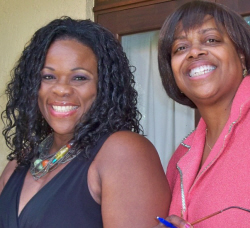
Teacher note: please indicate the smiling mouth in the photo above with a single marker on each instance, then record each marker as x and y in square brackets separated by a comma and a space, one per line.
[63, 109]
[198, 71]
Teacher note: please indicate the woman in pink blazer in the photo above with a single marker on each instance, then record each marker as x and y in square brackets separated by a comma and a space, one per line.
[204, 59]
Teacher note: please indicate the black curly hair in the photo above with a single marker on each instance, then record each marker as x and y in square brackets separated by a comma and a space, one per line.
[114, 108]
[191, 15]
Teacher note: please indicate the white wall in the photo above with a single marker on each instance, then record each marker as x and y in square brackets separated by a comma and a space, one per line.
[18, 21]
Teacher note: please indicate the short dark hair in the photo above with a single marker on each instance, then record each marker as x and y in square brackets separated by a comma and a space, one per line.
[115, 106]
[192, 15]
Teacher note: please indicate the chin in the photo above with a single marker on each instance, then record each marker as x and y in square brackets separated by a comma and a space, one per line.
[63, 131]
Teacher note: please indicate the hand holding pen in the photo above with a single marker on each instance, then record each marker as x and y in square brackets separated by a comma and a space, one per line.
[166, 223]
[173, 222]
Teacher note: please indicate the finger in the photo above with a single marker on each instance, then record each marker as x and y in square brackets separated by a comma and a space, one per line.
[178, 222]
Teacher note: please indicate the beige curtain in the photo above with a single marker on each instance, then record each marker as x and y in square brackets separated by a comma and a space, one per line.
[164, 121]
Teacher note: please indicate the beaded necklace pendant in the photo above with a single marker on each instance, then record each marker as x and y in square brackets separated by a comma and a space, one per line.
[46, 162]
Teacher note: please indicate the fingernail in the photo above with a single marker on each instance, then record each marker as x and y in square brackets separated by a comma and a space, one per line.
[187, 226]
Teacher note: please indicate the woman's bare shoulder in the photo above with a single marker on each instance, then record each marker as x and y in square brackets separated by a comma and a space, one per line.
[8, 170]
[127, 147]
[133, 182]
[125, 140]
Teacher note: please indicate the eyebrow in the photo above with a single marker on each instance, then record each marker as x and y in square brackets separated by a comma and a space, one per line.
[74, 69]
[50, 68]
[201, 31]
[78, 68]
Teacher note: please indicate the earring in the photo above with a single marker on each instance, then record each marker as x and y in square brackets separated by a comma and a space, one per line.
[244, 73]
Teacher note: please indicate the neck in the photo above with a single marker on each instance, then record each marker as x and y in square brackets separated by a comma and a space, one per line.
[215, 117]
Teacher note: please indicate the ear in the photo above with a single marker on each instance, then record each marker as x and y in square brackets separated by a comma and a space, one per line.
[242, 59]
[243, 64]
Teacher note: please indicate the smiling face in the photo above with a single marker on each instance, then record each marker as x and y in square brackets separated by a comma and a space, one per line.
[206, 66]
[68, 85]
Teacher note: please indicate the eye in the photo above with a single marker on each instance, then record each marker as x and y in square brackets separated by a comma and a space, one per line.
[211, 41]
[48, 77]
[80, 78]
[180, 48]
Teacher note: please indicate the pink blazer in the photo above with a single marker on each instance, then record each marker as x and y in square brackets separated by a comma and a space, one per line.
[224, 179]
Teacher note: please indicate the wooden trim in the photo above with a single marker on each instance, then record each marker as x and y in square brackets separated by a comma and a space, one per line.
[123, 17]
[126, 4]
[147, 17]
[240, 6]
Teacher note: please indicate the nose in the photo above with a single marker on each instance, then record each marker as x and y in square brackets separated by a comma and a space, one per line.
[196, 51]
[62, 89]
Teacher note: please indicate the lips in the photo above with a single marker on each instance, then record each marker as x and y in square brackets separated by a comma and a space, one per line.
[62, 109]
[198, 71]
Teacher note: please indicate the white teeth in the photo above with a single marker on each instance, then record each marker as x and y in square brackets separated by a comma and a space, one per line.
[64, 108]
[201, 70]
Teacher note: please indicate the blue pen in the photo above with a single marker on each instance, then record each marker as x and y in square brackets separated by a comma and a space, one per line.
[166, 223]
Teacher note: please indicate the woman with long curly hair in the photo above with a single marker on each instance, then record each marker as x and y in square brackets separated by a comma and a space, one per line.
[77, 157]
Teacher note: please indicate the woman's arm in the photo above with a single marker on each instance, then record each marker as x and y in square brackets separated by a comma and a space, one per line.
[134, 189]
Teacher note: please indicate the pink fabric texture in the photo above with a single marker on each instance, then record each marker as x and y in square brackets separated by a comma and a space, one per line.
[224, 179]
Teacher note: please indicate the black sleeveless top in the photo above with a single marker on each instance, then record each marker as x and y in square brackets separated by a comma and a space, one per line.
[63, 202]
